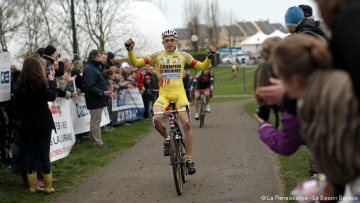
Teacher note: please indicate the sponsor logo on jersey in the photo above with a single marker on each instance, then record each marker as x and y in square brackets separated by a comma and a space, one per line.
[183, 105]
[175, 56]
[168, 61]
[179, 60]
[160, 102]
[170, 76]
[161, 60]
[166, 56]
[174, 60]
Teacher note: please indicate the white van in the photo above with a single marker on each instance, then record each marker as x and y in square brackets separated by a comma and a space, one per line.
[231, 59]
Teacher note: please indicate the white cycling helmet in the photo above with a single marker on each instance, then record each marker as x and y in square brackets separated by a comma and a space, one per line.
[169, 32]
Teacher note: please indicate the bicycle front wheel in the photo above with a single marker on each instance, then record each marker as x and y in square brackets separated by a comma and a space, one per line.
[175, 162]
[202, 109]
[183, 163]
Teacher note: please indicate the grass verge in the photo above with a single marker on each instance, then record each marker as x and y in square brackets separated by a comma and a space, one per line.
[226, 85]
[294, 168]
[82, 161]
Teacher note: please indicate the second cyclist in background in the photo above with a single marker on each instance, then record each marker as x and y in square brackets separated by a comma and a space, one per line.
[203, 81]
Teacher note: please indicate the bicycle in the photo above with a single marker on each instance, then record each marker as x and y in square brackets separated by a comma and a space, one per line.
[202, 104]
[177, 146]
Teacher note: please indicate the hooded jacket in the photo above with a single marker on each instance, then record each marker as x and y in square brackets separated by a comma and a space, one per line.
[312, 27]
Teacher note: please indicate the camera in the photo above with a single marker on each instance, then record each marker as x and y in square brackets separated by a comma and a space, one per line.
[263, 112]
[48, 70]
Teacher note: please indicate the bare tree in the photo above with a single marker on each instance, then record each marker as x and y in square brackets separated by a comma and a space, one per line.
[211, 17]
[99, 19]
[230, 30]
[11, 18]
[192, 10]
[32, 28]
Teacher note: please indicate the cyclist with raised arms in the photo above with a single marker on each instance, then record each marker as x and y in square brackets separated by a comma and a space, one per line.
[203, 81]
[169, 69]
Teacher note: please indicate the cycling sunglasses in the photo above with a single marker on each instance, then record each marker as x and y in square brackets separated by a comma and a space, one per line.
[169, 40]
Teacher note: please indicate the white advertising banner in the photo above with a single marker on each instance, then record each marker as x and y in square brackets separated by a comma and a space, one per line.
[5, 82]
[63, 139]
[80, 115]
[128, 106]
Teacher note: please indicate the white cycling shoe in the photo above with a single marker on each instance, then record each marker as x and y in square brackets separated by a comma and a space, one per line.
[197, 116]
[207, 108]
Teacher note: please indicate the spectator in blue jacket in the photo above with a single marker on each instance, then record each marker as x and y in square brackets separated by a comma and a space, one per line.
[96, 96]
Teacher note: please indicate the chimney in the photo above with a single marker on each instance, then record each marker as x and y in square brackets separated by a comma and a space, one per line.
[243, 21]
[261, 20]
[268, 20]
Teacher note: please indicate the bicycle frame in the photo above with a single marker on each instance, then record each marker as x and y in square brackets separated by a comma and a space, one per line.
[177, 154]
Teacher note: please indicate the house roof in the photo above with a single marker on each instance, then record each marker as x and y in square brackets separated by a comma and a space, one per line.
[265, 27]
[256, 39]
[183, 33]
[248, 28]
[234, 30]
[278, 26]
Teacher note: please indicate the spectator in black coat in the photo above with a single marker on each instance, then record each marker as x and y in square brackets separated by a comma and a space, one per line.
[33, 93]
[96, 96]
[154, 82]
[110, 61]
[186, 82]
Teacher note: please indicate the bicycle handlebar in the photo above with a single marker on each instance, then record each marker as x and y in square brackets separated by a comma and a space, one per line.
[170, 112]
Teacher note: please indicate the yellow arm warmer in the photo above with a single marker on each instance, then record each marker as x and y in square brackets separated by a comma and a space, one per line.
[134, 61]
[203, 66]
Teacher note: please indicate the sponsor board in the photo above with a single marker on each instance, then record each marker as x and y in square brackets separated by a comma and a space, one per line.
[132, 107]
[5, 76]
[63, 139]
[80, 115]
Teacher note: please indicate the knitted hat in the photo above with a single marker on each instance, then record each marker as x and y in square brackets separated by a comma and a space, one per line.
[49, 50]
[294, 16]
[111, 55]
[308, 12]
[116, 64]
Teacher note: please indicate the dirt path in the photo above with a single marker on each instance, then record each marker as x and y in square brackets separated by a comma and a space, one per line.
[232, 165]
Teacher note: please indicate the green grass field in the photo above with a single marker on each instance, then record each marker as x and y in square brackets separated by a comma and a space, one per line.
[226, 85]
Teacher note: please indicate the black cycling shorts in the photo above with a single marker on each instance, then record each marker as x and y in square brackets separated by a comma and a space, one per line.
[202, 86]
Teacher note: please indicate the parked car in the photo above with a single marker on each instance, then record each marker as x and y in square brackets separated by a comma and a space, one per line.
[231, 59]
[250, 54]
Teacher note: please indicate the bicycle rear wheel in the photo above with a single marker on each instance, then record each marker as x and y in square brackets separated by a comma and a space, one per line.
[175, 162]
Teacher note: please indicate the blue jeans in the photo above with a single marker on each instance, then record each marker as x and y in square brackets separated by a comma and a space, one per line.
[20, 155]
[39, 145]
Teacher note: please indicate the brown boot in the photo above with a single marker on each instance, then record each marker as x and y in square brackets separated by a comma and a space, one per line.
[48, 188]
[32, 180]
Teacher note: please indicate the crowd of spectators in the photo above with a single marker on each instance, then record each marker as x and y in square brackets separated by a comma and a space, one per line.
[313, 80]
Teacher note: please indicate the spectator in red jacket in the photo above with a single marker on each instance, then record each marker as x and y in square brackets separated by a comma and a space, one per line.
[141, 78]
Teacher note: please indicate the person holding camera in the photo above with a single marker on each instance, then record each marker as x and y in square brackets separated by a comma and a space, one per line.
[33, 92]
[96, 96]
[288, 140]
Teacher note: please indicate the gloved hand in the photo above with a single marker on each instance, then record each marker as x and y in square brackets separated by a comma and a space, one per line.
[129, 44]
[210, 51]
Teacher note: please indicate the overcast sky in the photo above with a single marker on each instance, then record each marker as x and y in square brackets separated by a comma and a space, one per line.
[249, 10]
